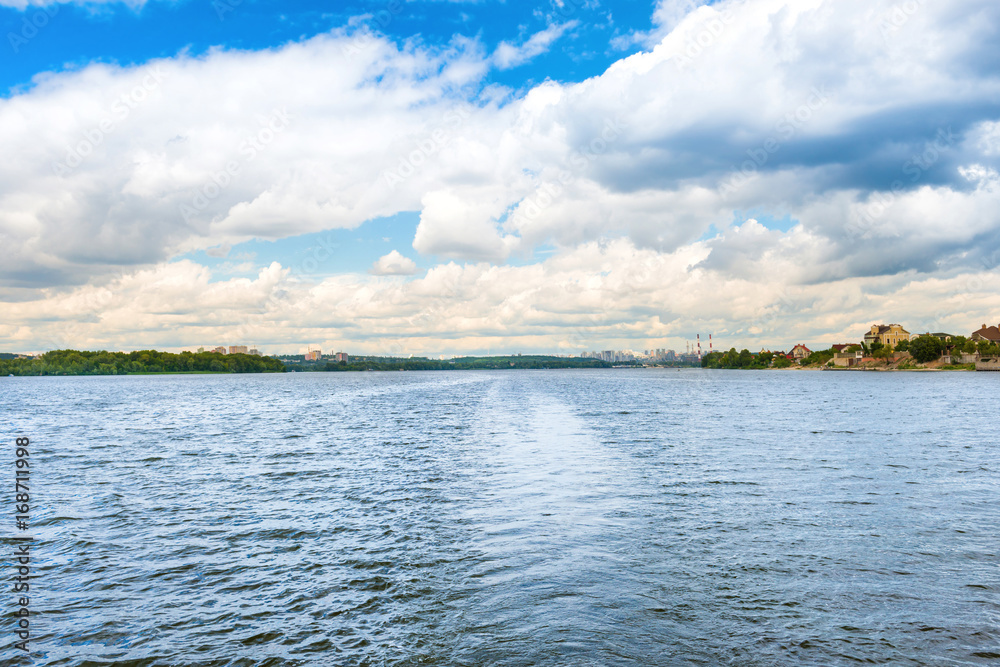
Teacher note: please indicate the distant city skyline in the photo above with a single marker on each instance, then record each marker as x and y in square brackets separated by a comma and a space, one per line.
[473, 178]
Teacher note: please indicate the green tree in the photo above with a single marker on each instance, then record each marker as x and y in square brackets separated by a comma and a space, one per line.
[903, 346]
[710, 360]
[926, 348]
[819, 357]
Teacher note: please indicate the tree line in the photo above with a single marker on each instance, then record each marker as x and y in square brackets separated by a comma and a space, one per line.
[744, 359]
[76, 362]
[461, 363]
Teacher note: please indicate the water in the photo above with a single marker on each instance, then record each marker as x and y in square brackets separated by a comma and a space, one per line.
[514, 518]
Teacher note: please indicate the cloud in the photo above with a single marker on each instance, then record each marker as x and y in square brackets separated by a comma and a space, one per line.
[394, 264]
[508, 55]
[461, 226]
[347, 127]
[594, 296]
[667, 15]
[221, 251]
[872, 124]
[129, 166]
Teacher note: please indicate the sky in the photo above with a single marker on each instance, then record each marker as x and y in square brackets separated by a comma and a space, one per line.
[437, 177]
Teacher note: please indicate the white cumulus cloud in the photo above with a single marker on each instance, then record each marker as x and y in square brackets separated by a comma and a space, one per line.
[874, 131]
[509, 55]
[394, 264]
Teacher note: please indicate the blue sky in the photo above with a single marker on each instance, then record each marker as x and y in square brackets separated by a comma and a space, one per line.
[74, 36]
[455, 177]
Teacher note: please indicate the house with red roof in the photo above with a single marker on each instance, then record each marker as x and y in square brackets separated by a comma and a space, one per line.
[990, 334]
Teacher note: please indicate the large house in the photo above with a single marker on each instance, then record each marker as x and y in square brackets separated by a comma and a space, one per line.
[889, 335]
[991, 334]
[800, 352]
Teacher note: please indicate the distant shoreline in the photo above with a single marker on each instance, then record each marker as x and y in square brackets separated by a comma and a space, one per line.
[452, 370]
[151, 362]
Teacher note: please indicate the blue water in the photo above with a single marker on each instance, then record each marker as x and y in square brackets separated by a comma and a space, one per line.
[626, 517]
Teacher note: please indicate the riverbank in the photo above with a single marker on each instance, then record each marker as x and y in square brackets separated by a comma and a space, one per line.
[963, 369]
[907, 365]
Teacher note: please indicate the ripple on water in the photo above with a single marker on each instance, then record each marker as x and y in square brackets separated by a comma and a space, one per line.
[513, 518]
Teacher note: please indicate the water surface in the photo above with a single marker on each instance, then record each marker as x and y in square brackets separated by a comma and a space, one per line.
[646, 517]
